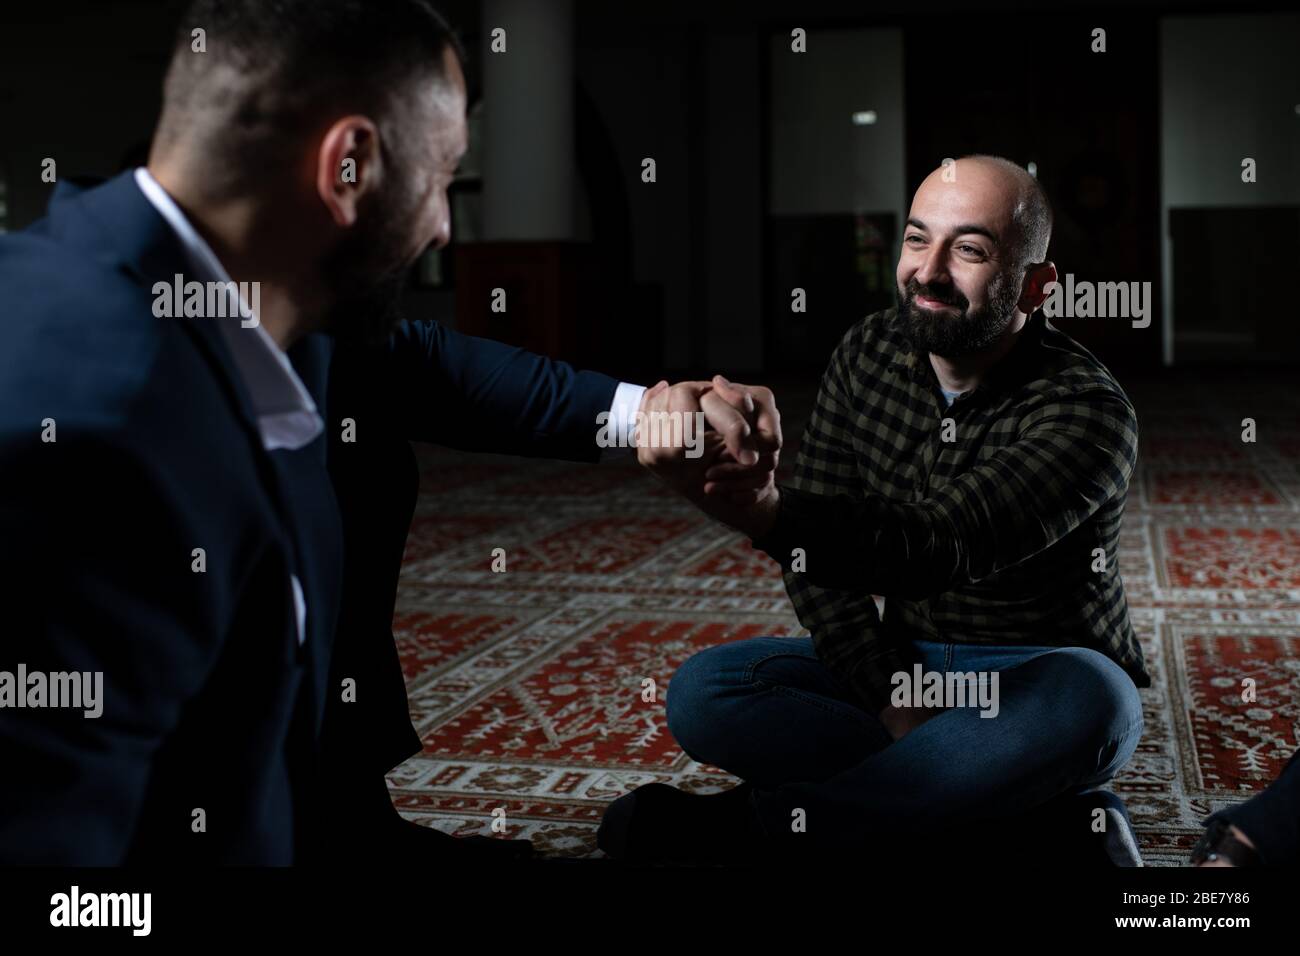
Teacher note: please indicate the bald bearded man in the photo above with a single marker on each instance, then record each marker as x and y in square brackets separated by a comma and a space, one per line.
[968, 463]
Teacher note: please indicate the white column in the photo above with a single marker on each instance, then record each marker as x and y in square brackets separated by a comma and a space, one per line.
[528, 153]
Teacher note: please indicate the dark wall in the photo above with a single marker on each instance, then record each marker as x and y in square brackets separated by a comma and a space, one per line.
[693, 258]
[1031, 89]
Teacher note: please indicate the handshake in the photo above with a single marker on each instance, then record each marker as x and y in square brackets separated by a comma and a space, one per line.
[728, 471]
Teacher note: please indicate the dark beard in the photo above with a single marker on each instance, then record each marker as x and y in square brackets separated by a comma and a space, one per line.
[366, 274]
[366, 311]
[969, 331]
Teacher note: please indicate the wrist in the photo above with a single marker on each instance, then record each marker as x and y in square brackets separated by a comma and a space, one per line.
[763, 524]
[760, 520]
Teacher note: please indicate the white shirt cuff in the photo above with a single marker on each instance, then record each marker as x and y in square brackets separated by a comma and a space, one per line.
[622, 414]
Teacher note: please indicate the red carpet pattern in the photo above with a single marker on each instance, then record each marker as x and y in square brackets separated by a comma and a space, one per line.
[540, 690]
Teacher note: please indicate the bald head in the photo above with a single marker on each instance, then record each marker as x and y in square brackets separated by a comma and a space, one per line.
[1007, 190]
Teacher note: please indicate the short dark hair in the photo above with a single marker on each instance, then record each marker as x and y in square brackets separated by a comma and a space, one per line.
[1032, 215]
[273, 67]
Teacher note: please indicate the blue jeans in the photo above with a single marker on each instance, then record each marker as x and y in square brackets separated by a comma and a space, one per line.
[767, 710]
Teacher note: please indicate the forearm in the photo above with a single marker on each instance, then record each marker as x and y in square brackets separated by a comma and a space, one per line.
[432, 384]
[866, 663]
[862, 544]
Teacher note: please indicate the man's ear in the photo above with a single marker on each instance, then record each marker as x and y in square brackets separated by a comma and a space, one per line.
[1034, 292]
[348, 166]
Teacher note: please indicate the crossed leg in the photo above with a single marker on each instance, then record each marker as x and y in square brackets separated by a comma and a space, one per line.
[768, 711]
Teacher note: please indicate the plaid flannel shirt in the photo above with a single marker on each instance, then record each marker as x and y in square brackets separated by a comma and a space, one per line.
[987, 538]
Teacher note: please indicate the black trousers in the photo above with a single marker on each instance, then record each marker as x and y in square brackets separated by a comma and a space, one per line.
[362, 739]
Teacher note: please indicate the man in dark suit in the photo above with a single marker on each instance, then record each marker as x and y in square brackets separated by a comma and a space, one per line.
[206, 397]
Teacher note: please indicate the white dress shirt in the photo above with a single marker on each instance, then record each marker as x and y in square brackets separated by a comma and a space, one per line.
[286, 414]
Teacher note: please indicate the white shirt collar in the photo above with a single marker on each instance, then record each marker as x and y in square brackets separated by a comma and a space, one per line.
[286, 415]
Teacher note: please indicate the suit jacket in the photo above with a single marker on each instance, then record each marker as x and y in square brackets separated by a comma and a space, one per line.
[213, 712]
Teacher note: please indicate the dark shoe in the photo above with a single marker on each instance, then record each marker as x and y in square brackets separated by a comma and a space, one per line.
[360, 823]
[1121, 840]
[1063, 831]
[1218, 841]
[1114, 845]
[657, 823]
[405, 841]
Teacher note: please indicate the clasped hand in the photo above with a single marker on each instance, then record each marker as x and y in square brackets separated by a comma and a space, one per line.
[729, 471]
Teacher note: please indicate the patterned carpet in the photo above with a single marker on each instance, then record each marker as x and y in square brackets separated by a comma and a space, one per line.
[528, 686]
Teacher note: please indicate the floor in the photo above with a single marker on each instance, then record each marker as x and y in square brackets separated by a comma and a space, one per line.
[540, 690]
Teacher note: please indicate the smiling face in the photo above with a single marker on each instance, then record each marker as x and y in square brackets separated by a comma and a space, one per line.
[959, 275]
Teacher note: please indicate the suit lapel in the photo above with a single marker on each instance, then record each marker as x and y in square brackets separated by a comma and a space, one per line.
[115, 223]
[317, 530]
